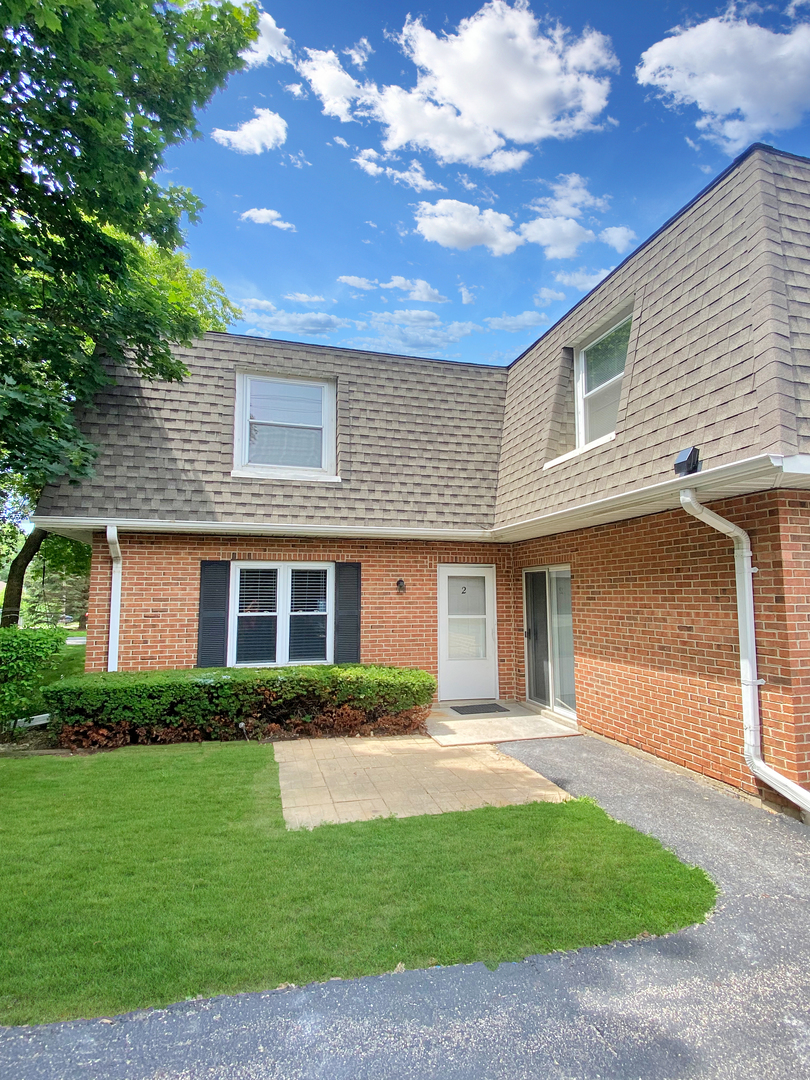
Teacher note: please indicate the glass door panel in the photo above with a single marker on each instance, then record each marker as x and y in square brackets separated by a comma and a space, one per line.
[549, 638]
[562, 639]
[537, 637]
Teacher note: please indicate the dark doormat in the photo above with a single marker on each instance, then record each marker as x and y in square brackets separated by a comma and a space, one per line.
[471, 710]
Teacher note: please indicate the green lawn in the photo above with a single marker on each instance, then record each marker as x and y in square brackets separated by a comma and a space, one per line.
[149, 875]
[68, 661]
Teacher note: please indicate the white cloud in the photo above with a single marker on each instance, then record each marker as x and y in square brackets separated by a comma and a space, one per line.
[618, 237]
[266, 318]
[461, 225]
[418, 290]
[467, 297]
[547, 296]
[570, 196]
[266, 131]
[559, 237]
[413, 177]
[340, 141]
[298, 160]
[407, 317]
[305, 298]
[359, 53]
[466, 182]
[258, 305]
[296, 89]
[331, 83]
[415, 331]
[271, 44]
[745, 80]
[583, 280]
[505, 161]
[525, 321]
[499, 77]
[263, 216]
[357, 282]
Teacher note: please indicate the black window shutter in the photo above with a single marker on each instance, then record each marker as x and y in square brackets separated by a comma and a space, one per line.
[347, 613]
[212, 639]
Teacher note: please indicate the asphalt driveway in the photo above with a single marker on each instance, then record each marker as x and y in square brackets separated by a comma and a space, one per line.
[730, 998]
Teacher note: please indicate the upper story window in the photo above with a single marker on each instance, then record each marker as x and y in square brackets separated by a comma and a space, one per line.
[285, 428]
[600, 367]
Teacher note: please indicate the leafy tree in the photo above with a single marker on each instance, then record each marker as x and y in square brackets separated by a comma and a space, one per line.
[92, 92]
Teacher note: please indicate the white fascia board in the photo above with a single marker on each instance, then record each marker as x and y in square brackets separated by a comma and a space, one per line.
[762, 473]
[71, 525]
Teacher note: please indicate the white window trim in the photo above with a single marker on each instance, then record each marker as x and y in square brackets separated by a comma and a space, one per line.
[244, 468]
[581, 395]
[611, 435]
[283, 610]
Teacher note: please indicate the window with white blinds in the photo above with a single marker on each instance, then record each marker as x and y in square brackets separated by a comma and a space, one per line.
[281, 613]
[285, 428]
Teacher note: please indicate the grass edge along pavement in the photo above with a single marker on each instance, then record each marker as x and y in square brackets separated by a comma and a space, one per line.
[149, 875]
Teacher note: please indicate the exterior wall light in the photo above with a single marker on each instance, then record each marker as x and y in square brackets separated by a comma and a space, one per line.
[688, 461]
[401, 585]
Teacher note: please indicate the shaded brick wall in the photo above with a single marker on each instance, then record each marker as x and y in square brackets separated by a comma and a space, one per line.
[655, 633]
[654, 610]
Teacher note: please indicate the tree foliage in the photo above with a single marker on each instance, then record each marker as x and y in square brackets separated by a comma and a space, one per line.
[92, 92]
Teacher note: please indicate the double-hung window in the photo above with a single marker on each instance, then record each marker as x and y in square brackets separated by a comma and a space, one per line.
[281, 613]
[285, 428]
[600, 367]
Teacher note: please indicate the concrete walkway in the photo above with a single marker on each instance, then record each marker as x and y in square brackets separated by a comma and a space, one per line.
[727, 1000]
[333, 780]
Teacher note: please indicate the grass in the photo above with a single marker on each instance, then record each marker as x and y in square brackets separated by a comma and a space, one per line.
[150, 875]
[68, 661]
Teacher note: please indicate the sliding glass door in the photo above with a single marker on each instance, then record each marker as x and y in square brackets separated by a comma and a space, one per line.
[549, 638]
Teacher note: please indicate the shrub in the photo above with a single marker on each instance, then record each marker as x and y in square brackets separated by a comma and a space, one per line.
[23, 653]
[115, 708]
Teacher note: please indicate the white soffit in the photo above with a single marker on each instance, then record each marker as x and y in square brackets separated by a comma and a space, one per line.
[762, 473]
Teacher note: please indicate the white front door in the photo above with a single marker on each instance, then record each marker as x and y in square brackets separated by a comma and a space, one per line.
[468, 642]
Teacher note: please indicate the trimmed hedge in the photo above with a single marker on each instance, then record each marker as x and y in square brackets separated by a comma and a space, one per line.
[117, 708]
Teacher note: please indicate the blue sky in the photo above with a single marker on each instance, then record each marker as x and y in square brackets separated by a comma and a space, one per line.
[447, 181]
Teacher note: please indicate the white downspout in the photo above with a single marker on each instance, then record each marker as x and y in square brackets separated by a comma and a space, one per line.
[749, 683]
[115, 597]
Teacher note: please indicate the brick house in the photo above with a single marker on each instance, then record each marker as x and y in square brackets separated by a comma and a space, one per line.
[518, 531]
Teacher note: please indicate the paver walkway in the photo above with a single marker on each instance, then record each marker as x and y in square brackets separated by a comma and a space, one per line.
[357, 779]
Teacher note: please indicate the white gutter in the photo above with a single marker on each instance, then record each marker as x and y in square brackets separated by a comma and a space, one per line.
[749, 683]
[762, 473]
[115, 597]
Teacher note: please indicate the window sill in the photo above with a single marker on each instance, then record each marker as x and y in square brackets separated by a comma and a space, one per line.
[283, 664]
[258, 472]
[580, 450]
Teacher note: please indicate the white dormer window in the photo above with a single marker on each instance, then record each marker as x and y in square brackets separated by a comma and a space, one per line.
[599, 371]
[285, 428]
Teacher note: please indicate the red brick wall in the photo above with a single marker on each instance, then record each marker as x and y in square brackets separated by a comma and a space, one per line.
[655, 633]
[655, 625]
[161, 585]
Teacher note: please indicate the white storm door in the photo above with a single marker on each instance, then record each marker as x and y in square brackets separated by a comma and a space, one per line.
[468, 642]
